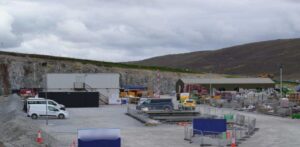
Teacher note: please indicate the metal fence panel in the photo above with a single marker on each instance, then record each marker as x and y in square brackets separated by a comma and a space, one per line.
[207, 126]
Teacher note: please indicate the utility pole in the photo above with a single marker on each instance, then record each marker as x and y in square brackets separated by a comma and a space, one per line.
[33, 85]
[281, 68]
[46, 108]
[46, 94]
[210, 84]
[158, 84]
[34, 74]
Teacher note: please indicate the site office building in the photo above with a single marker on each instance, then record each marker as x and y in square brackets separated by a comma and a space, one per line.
[107, 84]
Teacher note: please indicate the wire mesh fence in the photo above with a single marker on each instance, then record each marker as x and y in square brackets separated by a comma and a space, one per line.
[239, 128]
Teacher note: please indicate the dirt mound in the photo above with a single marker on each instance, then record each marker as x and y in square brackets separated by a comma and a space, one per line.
[16, 129]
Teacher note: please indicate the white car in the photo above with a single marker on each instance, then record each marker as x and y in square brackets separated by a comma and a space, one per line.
[36, 111]
[41, 101]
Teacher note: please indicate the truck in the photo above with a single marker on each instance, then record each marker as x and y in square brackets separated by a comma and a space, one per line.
[188, 104]
[27, 93]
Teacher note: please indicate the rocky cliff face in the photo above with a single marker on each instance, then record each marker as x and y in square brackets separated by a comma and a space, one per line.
[19, 72]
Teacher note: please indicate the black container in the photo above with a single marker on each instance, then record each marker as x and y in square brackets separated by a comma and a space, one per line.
[73, 99]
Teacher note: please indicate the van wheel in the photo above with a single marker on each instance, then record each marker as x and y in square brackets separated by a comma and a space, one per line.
[34, 116]
[61, 116]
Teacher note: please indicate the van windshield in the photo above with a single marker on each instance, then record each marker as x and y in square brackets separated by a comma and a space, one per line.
[189, 101]
[161, 101]
[146, 102]
[52, 103]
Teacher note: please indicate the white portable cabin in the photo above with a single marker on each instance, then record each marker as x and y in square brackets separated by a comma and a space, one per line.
[107, 84]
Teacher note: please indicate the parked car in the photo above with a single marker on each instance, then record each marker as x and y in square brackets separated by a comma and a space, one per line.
[36, 111]
[156, 104]
[26, 93]
[41, 101]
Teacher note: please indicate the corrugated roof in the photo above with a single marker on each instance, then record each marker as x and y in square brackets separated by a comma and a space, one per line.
[228, 81]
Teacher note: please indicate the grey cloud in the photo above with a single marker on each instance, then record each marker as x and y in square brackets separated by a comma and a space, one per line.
[7, 37]
[122, 30]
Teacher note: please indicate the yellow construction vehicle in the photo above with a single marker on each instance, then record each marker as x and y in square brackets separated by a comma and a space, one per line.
[189, 104]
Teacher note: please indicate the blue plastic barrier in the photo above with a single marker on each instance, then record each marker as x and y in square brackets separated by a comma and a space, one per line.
[203, 126]
[99, 138]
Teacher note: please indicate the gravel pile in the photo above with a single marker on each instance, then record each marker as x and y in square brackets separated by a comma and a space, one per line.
[16, 129]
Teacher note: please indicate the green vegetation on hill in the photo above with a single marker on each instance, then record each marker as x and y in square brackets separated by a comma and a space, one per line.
[251, 59]
[97, 63]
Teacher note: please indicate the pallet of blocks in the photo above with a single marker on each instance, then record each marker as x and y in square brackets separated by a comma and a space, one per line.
[294, 97]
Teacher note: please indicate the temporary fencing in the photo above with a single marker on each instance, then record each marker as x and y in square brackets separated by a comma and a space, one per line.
[239, 128]
[201, 137]
[69, 139]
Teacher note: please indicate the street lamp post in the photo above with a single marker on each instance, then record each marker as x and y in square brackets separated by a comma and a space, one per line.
[281, 69]
[46, 107]
[46, 95]
[210, 84]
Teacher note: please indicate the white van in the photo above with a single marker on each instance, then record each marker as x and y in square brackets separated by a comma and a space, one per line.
[41, 101]
[36, 111]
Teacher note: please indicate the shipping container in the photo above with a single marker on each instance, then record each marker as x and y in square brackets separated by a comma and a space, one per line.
[73, 99]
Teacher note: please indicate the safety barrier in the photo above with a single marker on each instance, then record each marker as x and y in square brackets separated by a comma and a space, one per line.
[251, 126]
[238, 119]
[239, 129]
[214, 139]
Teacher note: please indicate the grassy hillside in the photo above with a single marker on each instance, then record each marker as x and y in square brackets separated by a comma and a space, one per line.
[249, 59]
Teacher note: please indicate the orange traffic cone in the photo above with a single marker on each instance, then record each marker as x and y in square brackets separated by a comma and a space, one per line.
[233, 144]
[73, 144]
[228, 135]
[39, 138]
[179, 123]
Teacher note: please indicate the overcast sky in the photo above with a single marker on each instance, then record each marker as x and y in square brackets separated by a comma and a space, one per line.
[126, 30]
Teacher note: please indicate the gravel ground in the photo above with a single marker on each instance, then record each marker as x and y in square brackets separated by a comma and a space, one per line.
[134, 133]
[274, 131]
[17, 130]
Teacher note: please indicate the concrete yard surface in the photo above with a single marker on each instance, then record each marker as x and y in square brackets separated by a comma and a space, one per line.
[133, 132]
[273, 131]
